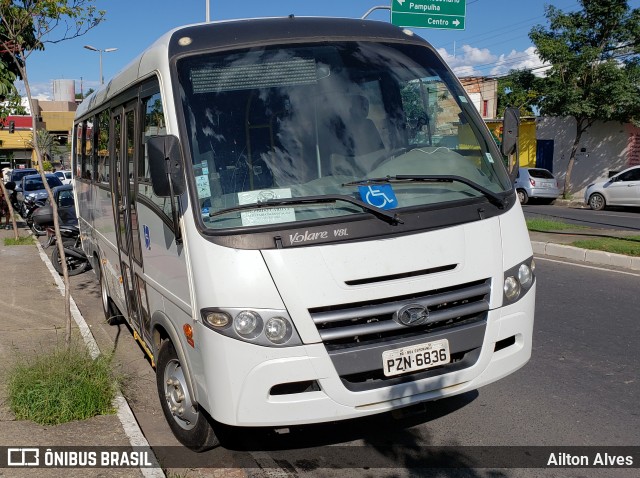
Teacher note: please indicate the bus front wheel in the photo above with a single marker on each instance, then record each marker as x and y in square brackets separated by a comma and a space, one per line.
[188, 422]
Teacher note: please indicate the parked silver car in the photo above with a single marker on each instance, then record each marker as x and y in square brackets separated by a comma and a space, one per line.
[536, 183]
[622, 189]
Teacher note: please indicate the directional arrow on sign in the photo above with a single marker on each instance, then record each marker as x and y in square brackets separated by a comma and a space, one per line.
[456, 22]
[401, 2]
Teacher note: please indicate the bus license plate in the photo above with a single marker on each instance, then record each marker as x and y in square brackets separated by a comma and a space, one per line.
[415, 357]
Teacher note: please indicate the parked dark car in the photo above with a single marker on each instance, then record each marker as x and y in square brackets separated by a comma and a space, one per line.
[14, 183]
[43, 216]
[32, 189]
[16, 175]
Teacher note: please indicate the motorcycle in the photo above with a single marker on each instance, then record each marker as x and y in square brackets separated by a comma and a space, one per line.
[76, 259]
[29, 207]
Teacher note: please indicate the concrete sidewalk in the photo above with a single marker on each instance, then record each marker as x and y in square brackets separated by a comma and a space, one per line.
[32, 321]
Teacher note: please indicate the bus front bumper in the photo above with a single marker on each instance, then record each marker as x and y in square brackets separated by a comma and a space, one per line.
[251, 398]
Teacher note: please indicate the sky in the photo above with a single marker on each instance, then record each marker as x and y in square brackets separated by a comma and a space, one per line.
[494, 41]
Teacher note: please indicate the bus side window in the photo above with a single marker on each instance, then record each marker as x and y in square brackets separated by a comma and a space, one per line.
[154, 125]
[78, 150]
[85, 150]
[102, 147]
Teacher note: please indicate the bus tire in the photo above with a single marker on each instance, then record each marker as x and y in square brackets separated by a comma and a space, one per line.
[111, 313]
[189, 423]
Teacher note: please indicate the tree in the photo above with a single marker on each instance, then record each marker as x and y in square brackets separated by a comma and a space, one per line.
[26, 26]
[12, 105]
[44, 141]
[10, 71]
[519, 89]
[595, 66]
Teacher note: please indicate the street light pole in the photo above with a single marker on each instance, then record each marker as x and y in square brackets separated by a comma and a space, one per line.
[106, 50]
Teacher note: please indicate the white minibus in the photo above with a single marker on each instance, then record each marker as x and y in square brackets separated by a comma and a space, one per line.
[302, 220]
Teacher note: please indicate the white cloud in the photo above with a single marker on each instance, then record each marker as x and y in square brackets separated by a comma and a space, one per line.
[467, 59]
[39, 91]
[526, 60]
[471, 61]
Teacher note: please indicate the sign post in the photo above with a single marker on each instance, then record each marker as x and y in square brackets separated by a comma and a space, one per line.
[443, 14]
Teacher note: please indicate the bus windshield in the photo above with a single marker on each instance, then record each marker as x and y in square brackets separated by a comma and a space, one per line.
[305, 121]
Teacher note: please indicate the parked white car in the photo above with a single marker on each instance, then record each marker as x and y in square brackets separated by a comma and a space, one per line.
[622, 189]
[64, 176]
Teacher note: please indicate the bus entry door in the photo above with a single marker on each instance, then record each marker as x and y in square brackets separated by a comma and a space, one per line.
[126, 217]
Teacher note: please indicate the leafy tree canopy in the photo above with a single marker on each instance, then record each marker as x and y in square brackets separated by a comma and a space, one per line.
[10, 63]
[519, 90]
[27, 25]
[595, 62]
[594, 74]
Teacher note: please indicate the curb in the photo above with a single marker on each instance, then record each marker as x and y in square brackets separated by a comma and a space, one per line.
[571, 203]
[125, 414]
[586, 255]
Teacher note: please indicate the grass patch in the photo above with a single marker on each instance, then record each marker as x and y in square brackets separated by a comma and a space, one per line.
[544, 225]
[61, 386]
[629, 246]
[21, 241]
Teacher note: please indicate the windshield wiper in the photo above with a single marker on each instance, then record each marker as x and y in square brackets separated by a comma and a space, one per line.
[490, 195]
[389, 218]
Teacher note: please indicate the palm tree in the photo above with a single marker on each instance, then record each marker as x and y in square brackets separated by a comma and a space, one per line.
[44, 141]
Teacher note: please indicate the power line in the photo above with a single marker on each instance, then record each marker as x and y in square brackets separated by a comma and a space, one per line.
[486, 36]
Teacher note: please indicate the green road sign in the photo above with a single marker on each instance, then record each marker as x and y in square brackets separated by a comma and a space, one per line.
[445, 14]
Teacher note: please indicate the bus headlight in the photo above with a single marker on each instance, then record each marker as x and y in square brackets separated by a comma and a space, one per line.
[277, 330]
[525, 275]
[511, 288]
[266, 327]
[518, 280]
[247, 323]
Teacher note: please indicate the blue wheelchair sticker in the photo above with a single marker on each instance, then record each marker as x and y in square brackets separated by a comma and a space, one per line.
[379, 195]
[147, 236]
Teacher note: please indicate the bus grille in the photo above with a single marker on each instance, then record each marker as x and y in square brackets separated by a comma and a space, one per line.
[356, 324]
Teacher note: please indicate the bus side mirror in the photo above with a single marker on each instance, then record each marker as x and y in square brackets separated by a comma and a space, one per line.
[510, 132]
[165, 166]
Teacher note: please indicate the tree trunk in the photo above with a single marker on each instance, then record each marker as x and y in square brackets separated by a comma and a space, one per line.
[12, 214]
[580, 129]
[54, 210]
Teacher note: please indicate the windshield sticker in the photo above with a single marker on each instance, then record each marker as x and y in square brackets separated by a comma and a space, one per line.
[202, 185]
[269, 215]
[379, 195]
[462, 99]
[489, 157]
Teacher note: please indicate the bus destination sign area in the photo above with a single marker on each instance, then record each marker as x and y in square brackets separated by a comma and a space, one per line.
[443, 14]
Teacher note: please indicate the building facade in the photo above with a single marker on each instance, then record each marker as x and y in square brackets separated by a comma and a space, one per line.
[605, 148]
[16, 135]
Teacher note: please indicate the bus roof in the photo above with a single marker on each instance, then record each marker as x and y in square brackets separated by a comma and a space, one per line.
[245, 33]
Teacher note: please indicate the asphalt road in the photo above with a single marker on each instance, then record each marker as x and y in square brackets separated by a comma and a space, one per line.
[581, 388]
[625, 219]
